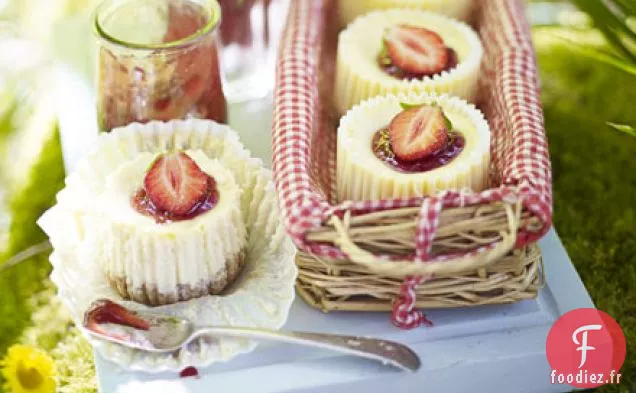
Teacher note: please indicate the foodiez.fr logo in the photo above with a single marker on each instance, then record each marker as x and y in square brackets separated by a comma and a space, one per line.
[586, 348]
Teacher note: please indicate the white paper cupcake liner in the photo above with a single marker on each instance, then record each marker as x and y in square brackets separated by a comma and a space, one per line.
[262, 294]
[358, 76]
[362, 177]
[161, 264]
[457, 9]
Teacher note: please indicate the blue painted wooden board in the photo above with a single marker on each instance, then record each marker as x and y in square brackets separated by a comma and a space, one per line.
[492, 348]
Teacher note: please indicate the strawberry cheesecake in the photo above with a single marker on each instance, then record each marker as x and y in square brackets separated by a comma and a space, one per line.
[170, 227]
[406, 51]
[351, 9]
[411, 146]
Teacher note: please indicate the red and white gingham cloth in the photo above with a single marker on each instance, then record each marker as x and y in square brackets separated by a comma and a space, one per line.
[305, 134]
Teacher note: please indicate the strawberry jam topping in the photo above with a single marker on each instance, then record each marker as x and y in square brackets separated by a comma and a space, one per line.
[142, 203]
[175, 189]
[395, 71]
[382, 149]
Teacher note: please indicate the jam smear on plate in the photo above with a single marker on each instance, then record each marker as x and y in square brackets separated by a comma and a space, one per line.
[189, 372]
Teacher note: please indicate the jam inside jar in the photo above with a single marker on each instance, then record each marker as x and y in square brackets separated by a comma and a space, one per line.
[158, 60]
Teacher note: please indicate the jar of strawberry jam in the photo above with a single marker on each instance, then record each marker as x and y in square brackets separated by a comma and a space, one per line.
[158, 60]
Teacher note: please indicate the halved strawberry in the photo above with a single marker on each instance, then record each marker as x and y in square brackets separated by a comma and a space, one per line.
[175, 183]
[416, 50]
[418, 132]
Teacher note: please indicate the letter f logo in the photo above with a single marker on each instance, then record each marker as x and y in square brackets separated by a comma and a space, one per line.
[583, 344]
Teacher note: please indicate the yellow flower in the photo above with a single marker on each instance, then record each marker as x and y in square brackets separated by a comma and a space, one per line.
[28, 370]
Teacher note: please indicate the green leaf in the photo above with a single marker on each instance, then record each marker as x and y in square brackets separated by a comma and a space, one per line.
[599, 55]
[627, 7]
[449, 124]
[43, 180]
[8, 107]
[384, 58]
[623, 128]
[608, 14]
[406, 106]
[613, 26]
[20, 282]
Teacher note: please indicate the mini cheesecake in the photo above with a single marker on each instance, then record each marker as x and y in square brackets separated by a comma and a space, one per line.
[351, 9]
[169, 227]
[406, 51]
[411, 146]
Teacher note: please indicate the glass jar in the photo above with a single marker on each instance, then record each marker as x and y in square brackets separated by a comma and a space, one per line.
[250, 35]
[158, 60]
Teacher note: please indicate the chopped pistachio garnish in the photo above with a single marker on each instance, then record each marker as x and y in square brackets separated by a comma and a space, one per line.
[383, 57]
[383, 143]
[451, 136]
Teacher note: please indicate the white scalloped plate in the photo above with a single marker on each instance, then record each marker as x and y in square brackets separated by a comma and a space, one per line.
[261, 297]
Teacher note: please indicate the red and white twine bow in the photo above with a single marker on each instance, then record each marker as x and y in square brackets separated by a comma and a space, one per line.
[405, 315]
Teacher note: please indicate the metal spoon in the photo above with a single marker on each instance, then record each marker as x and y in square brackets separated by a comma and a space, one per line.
[160, 334]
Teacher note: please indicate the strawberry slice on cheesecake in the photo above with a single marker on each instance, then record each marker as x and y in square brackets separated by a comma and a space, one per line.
[175, 189]
[418, 132]
[175, 183]
[412, 52]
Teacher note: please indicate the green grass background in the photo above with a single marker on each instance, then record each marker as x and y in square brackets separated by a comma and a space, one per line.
[19, 283]
[594, 171]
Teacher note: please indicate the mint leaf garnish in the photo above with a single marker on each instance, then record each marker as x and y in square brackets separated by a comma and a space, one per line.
[407, 106]
[449, 124]
[384, 58]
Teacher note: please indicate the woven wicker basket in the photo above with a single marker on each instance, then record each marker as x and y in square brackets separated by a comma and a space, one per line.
[355, 256]
[501, 275]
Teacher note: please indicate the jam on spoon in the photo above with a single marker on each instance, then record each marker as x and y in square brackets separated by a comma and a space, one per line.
[107, 312]
[168, 334]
